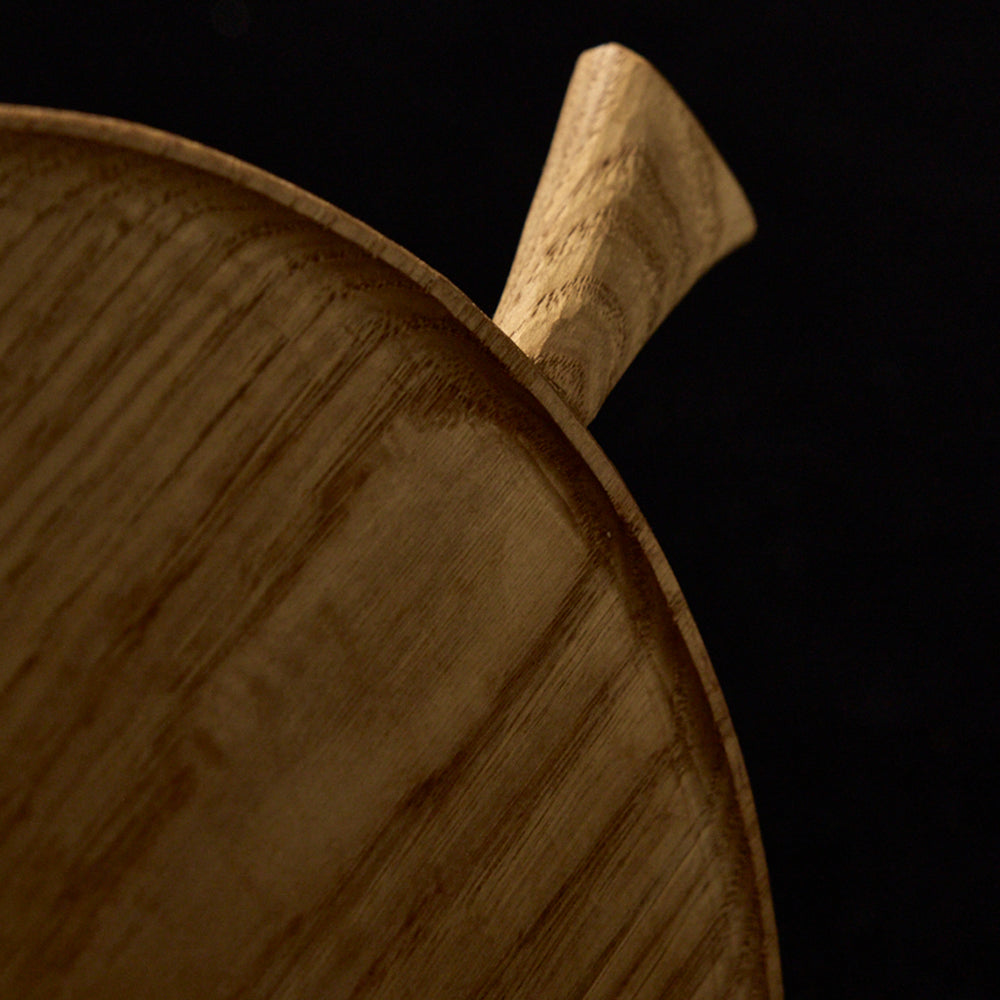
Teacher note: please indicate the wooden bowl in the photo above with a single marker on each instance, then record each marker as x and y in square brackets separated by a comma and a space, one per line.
[336, 659]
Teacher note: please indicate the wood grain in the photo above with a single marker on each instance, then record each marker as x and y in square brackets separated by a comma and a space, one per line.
[336, 660]
[634, 205]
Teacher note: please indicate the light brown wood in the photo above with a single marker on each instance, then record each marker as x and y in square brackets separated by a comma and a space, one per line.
[336, 660]
[633, 206]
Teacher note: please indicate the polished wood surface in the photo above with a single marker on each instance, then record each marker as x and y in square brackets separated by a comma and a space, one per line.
[336, 659]
[633, 206]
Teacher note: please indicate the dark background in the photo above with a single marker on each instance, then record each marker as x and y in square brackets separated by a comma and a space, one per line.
[813, 433]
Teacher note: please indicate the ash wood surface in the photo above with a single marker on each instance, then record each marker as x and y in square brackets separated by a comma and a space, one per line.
[634, 204]
[336, 660]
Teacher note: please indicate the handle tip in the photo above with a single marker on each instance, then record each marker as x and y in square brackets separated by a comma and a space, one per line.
[634, 205]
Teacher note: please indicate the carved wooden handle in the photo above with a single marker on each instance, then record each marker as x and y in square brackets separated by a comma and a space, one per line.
[634, 204]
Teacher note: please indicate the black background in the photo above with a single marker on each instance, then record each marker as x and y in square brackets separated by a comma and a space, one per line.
[812, 434]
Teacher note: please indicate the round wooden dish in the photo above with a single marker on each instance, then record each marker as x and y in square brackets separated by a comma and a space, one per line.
[336, 659]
